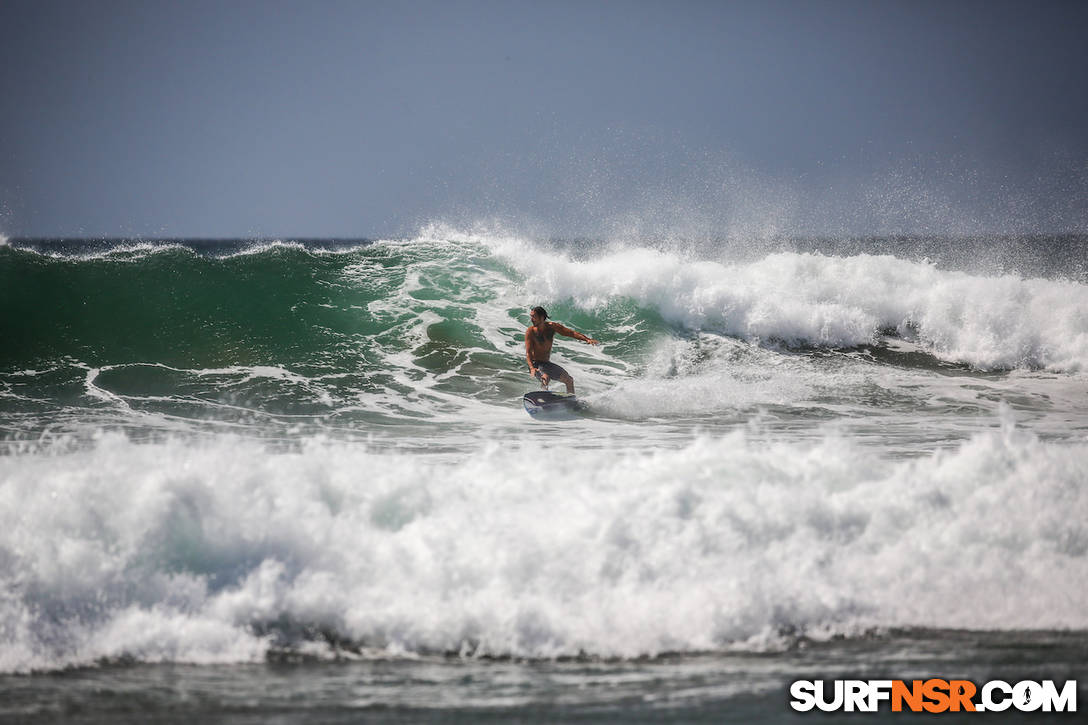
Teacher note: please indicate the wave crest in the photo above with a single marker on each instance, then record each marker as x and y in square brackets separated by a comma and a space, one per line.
[805, 299]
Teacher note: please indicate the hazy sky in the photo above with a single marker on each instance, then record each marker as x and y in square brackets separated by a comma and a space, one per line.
[364, 119]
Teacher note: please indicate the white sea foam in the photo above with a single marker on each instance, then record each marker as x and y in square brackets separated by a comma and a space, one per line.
[129, 251]
[807, 299]
[135, 250]
[712, 374]
[263, 246]
[216, 552]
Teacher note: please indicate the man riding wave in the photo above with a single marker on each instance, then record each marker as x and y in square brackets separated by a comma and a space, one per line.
[538, 348]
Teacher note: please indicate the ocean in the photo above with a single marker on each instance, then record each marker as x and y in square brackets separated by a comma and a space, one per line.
[285, 480]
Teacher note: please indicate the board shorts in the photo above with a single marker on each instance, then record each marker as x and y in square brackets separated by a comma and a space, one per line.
[554, 371]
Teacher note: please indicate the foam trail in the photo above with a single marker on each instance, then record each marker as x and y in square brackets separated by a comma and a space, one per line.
[218, 552]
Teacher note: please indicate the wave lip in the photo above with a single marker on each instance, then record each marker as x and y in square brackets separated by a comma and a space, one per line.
[815, 300]
[223, 552]
[137, 249]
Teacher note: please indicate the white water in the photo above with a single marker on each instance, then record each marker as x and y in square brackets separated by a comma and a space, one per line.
[826, 301]
[174, 551]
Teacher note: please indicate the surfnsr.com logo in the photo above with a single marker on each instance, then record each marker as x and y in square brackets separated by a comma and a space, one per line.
[933, 695]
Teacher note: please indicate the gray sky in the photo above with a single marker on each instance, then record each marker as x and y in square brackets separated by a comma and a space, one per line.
[355, 119]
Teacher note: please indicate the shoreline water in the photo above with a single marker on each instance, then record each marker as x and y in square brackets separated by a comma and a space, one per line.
[728, 687]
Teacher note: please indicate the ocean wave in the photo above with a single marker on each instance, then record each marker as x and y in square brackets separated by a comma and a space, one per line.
[801, 300]
[226, 552]
[805, 299]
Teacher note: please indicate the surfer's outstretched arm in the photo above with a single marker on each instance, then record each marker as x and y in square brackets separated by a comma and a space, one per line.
[562, 330]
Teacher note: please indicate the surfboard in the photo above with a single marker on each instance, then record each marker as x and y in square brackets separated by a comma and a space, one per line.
[544, 404]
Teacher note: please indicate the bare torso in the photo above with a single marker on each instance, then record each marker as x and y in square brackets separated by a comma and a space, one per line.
[540, 343]
[538, 348]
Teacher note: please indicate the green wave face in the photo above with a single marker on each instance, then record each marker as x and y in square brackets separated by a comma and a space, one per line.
[287, 338]
[182, 309]
[387, 332]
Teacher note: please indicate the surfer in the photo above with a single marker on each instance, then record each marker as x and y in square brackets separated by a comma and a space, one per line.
[538, 348]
